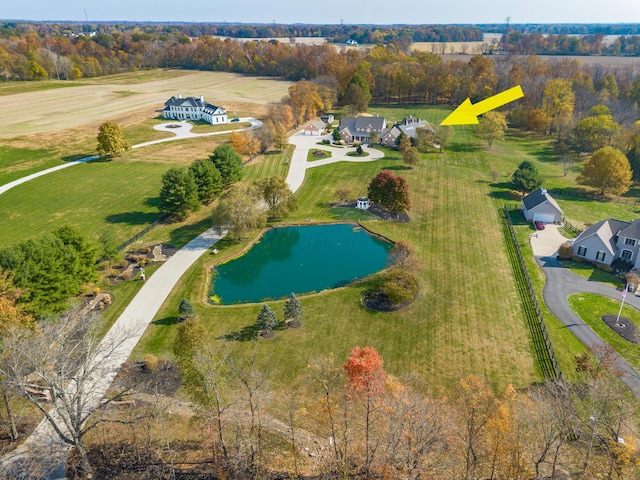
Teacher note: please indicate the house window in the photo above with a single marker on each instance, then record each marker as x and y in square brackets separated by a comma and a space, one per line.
[600, 256]
[582, 251]
[630, 241]
[626, 255]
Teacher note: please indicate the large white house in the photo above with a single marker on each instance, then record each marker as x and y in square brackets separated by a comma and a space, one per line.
[192, 108]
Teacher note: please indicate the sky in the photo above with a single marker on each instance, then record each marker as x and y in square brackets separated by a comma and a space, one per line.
[328, 11]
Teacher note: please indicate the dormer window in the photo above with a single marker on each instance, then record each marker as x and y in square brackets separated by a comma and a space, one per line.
[630, 241]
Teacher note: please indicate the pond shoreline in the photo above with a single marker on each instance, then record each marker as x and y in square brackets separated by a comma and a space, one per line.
[355, 269]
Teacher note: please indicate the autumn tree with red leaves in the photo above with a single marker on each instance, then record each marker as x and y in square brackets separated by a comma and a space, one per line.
[365, 381]
[391, 191]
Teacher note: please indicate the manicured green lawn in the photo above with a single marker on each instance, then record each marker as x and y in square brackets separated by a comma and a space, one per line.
[118, 195]
[311, 157]
[588, 271]
[16, 163]
[467, 318]
[590, 308]
[578, 209]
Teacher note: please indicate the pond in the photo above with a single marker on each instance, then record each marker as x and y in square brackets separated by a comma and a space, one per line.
[299, 260]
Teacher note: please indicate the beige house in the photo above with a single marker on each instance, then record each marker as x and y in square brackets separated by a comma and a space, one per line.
[315, 128]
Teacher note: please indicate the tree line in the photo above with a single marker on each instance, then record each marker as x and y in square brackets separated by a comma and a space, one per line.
[520, 43]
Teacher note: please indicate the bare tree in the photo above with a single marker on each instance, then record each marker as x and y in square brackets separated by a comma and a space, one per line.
[66, 363]
[415, 430]
[551, 424]
[252, 381]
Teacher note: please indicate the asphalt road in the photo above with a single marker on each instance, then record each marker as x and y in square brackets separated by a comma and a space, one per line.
[561, 283]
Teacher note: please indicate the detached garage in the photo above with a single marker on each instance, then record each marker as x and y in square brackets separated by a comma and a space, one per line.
[539, 206]
[315, 128]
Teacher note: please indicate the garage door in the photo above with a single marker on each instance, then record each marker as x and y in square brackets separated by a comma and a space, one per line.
[544, 217]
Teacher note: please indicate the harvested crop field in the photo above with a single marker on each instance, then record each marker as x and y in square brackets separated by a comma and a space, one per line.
[95, 100]
[603, 60]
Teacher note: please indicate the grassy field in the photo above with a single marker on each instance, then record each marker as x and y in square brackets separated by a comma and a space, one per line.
[467, 318]
[47, 107]
[121, 194]
[590, 308]
[454, 328]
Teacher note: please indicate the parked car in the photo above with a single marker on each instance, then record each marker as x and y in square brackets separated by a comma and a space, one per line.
[235, 120]
[539, 225]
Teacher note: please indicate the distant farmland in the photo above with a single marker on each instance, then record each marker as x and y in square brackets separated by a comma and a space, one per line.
[54, 108]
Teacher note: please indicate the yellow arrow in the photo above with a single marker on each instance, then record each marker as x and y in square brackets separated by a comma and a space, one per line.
[467, 113]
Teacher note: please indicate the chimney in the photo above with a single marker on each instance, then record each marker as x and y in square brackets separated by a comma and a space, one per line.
[543, 191]
[202, 98]
[179, 95]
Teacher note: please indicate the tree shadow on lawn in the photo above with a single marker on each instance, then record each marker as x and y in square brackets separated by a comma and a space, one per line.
[397, 167]
[546, 154]
[167, 321]
[133, 218]
[250, 332]
[180, 236]
[464, 147]
[578, 194]
[505, 192]
[77, 156]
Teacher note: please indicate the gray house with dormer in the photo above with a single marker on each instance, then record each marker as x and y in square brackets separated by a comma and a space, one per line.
[539, 206]
[358, 129]
[408, 127]
[608, 240]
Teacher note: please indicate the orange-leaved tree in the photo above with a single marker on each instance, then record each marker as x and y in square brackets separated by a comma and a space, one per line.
[365, 381]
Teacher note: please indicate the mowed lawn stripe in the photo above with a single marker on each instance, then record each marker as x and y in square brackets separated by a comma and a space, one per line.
[92, 197]
[456, 327]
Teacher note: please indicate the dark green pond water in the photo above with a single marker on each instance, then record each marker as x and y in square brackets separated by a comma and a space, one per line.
[300, 260]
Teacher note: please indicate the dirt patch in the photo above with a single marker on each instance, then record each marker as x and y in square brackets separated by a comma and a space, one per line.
[379, 211]
[163, 380]
[624, 327]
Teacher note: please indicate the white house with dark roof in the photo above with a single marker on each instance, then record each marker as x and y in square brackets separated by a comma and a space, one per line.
[192, 108]
[609, 239]
[539, 206]
[358, 129]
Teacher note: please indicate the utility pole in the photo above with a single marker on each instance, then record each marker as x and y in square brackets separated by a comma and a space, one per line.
[506, 35]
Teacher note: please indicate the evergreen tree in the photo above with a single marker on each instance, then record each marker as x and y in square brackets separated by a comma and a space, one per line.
[267, 318]
[228, 162]
[292, 308]
[207, 178]
[185, 309]
[526, 178]
[179, 193]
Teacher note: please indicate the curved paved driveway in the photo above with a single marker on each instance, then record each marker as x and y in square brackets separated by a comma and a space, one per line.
[44, 443]
[180, 133]
[300, 165]
[561, 283]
